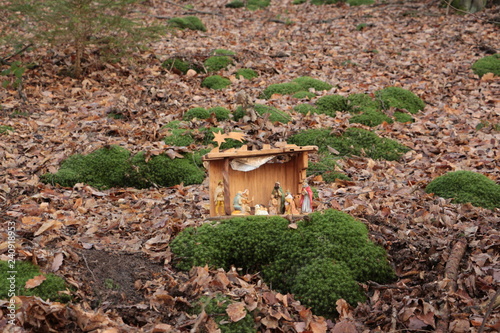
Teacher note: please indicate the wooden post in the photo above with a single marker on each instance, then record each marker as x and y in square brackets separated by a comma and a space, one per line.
[225, 179]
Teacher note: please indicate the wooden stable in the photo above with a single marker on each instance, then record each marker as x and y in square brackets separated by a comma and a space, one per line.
[284, 163]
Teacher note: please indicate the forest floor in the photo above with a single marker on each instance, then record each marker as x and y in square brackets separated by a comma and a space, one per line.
[446, 255]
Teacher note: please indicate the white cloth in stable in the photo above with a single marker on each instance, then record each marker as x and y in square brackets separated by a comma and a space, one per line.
[249, 163]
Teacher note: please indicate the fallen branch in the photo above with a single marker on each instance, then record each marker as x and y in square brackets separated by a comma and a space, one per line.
[451, 273]
[495, 301]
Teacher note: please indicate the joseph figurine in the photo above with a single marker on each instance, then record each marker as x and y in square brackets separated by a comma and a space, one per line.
[279, 195]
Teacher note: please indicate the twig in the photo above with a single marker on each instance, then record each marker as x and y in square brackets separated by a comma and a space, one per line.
[490, 309]
[4, 61]
[87, 264]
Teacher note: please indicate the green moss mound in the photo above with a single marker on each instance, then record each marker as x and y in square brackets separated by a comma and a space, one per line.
[215, 307]
[199, 113]
[330, 104]
[288, 88]
[4, 129]
[220, 112]
[181, 65]
[403, 117]
[114, 166]
[467, 186]
[305, 108]
[304, 94]
[400, 98]
[250, 4]
[179, 137]
[51, 288]
[325, 168]
[488, 64]
[275, 115]
[161, 170]
[360, 2]
[235, 4]
[307, 82]
[358, 103]
[247, 73]
[288, 258]
[354, 141]
[216, 82]
[297, 85]
[187, 22]
[371, 118]
[216, 63]
[103, 168]
[223, 52]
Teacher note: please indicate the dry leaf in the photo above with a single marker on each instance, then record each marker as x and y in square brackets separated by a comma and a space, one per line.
[236, 311]
[35, 282]
[57, 262]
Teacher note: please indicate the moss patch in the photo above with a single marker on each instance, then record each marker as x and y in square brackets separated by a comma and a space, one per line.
[179, 137]
[288, 258]
[250, 4]
[488, 64]
[304, 94]
[330, 104]
[371, 118]
[180, 65]
[216, 82]
[305, 108]
[247, 73]
[298, 84]
[400, 98]
[4, 129]
[216, 63]
[354, 141]
[274, 114]
[114, 166]
[325, 168]
[200, 113]
[467, 186]
[52, 288]
[187, 22]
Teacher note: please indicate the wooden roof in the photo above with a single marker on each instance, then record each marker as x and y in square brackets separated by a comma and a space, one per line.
[281, 148]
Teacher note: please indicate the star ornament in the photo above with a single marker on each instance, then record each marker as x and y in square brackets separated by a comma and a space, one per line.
[220, 137]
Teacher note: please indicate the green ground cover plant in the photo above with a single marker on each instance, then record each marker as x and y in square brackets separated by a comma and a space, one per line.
[400, 98]
[467, 187]
[326, 168]
[488, 64]
[330, 104]
[216, 82]
[305, 108]
[247, 73]
[54, 287]
[354, 141]
[199, 113]
[297, 85]
[215, 306]
[5, 129]
[274, 113]
[304, 94]
[250, 4]
[331, 243]
[187, 22]
[179, 137]
[180, 65]
[218, 62]
[371, 118]
[114, 166]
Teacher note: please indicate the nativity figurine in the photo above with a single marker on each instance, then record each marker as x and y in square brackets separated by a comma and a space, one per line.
[219, 198]
[306, 199]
